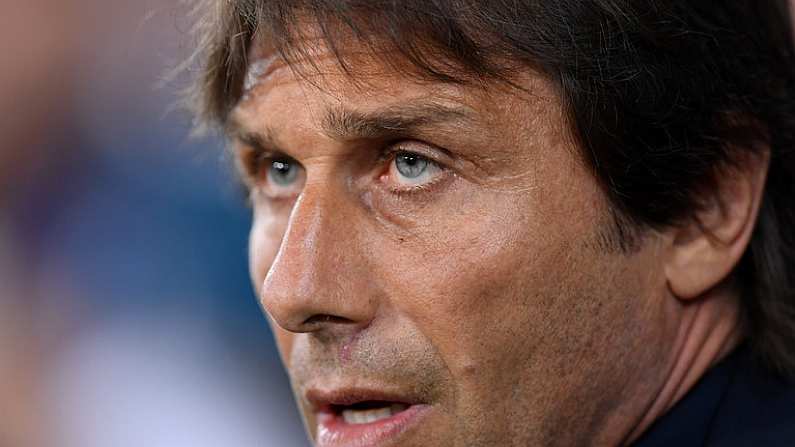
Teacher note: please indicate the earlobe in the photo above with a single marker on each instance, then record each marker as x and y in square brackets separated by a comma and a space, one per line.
[704, 251]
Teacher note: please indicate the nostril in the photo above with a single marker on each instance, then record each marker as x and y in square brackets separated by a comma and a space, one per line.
[325, 318]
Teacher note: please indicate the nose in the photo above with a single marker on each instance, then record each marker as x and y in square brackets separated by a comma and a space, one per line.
[319, 278]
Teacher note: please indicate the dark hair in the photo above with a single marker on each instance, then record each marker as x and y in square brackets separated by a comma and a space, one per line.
[661, 96]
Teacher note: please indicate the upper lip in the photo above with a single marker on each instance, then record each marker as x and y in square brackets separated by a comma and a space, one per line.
[327, 400]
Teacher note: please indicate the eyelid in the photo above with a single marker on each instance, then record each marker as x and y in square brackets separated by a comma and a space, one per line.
[250, 157]
[424, 150]
[245, 156]
[431, 153]
[252, 160]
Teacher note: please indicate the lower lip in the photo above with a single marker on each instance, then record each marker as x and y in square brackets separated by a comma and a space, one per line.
[333, 431]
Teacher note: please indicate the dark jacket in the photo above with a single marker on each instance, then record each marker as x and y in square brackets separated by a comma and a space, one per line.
[734, 404]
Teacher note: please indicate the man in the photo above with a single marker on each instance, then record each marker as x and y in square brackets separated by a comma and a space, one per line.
[520, 223]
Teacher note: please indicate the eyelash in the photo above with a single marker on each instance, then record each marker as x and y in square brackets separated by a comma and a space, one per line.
[252, 162]
[388, 156]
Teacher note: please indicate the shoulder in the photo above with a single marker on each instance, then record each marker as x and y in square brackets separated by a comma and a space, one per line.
[758, 408]
[736, 404]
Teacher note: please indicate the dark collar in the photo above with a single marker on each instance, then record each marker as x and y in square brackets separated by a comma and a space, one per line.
[735, 404]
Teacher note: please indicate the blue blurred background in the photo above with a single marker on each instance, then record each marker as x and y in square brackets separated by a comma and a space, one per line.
[126, 314]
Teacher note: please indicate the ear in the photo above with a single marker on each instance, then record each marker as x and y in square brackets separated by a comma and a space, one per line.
[702, 252]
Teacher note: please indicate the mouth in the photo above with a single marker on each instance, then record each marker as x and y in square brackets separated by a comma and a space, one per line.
[363, 418]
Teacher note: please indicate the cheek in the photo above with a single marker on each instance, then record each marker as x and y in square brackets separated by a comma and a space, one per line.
[267, 230]
[515, 308]
[464, 278]
[503, 286]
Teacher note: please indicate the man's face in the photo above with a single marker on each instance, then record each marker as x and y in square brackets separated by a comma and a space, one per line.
[436, 263]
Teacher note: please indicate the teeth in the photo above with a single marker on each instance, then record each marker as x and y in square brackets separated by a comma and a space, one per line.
[371, 415]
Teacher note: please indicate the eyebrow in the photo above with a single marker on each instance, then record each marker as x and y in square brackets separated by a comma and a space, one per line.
[343, 124]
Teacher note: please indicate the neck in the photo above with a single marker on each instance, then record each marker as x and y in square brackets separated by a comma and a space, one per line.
[709, 330]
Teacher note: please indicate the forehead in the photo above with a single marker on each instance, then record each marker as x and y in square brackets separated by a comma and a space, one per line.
[358, 78]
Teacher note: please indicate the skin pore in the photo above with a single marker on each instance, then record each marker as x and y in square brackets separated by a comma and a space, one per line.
[480, 287]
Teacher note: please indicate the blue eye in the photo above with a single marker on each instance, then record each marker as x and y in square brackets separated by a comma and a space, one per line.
[283, 172]
[412, 170]
[411, 166]
[280, 178]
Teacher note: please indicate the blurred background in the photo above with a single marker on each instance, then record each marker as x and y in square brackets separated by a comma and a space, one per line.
[126, 313]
